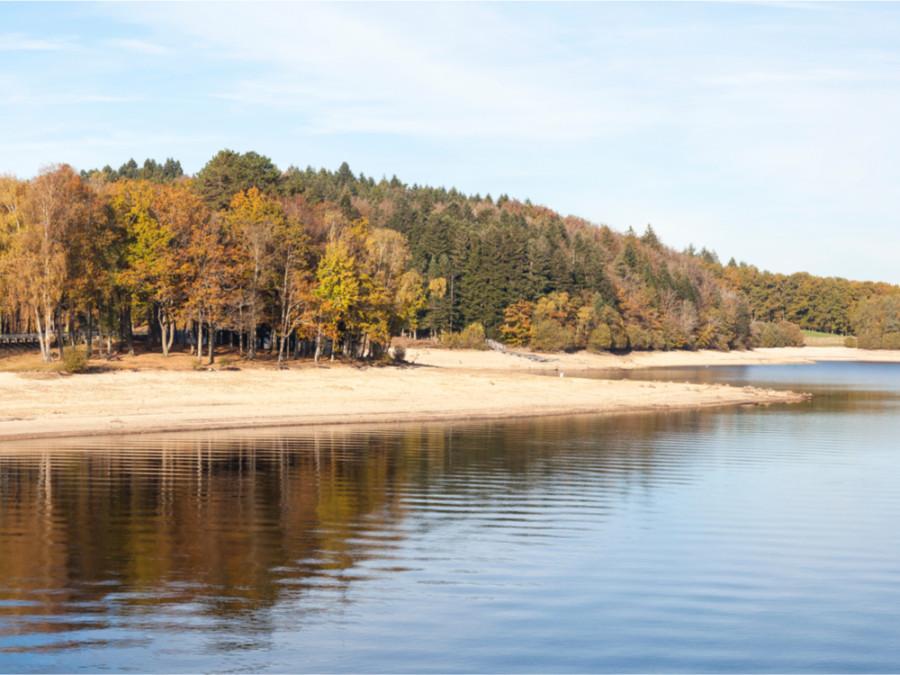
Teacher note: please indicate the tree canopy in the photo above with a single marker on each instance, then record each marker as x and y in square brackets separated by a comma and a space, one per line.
[342, 262]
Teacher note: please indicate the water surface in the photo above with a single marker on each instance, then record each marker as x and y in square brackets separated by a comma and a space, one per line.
[743, 539]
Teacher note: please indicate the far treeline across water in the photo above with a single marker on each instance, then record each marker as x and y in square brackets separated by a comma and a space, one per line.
[307, 262]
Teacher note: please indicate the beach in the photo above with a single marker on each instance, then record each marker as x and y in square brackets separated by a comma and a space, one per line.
[436, 384]
[588, 361]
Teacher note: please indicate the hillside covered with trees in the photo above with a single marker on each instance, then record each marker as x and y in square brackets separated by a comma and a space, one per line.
[313, 262]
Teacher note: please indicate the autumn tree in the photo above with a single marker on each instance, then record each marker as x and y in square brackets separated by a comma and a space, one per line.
[876, 322]
[409, 300]
[159, 221]
[212, 277]
[293, 266]
[364, 290]
[437, 306]
[12, 198]
[337, 292]
[143, 244]
[51, 208]
[394, 294]
[254, 222]
[552, 323]
[516, 328]
[94, 244]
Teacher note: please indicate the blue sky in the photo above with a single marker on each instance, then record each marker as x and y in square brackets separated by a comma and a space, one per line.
[767, 132]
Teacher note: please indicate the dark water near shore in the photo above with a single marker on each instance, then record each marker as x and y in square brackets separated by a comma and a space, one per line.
[744, 539]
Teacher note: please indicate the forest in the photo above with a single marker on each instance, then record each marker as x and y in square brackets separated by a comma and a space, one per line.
[313, 263]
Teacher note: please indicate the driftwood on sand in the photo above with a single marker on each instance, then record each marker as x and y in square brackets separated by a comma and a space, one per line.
[497, 347]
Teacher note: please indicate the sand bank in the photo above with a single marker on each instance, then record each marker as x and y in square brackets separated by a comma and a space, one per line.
[443, 385]
[490, 360]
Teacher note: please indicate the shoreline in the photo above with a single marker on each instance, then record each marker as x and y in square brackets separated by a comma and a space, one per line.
[587, 361]
[438, 385]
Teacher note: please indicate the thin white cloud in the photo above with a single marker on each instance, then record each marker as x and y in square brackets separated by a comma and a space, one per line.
[742, 112]
[112, 139]
[40, 99]
[16, 42]
[435, 70]
[138, 46]
[807, 77]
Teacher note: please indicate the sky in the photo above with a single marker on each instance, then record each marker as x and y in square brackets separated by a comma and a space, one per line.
[766, 132]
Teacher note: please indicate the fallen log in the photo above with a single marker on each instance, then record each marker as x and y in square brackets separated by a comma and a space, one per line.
[497, 347]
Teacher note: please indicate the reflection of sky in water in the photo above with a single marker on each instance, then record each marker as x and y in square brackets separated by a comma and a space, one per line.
[736, 539]
[817, 376]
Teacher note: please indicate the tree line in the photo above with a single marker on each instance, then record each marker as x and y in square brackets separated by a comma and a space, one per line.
[318, 262]
[87, 254]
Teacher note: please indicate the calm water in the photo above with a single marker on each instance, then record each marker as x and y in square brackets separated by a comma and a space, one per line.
[747, 539]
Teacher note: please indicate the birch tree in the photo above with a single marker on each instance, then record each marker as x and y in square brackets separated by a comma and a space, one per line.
[40, 247]
[294, 284]
[253, 221]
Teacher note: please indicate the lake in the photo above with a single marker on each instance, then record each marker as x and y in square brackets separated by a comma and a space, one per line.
[731, 540]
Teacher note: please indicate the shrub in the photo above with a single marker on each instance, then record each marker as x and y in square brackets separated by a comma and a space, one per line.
[781, 334]
[851, 342]
[74, 360]
[866, 341]
[793, 336]
[616, 325]
[644, 340]
[472, 337]
[549, 336]
[619, 337]
[657, 340]
[764, 334]
[638, 338]
[890, 341]
[600, 339]
[876, 320]
[398, 353]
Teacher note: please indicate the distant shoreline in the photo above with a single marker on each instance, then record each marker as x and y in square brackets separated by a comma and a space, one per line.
[438, 385]
[588, 361]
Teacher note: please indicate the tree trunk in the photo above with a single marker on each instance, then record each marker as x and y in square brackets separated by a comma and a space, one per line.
[153, 320]
[129, 335]
[241, 333]
[318, 345]
[281, 341]
[59, 337]
[89, 338]
[200, 335]
[72, 328]
[125, 327]
[211, 333]
[251, 344]
[167, 331]
[451, 302]
[43, 338]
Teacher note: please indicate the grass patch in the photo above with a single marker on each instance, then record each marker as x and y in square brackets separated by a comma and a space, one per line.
[814, 338]
[25, 363]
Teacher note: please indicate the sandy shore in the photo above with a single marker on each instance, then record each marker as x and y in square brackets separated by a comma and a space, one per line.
[580, 361]
[441, 385]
